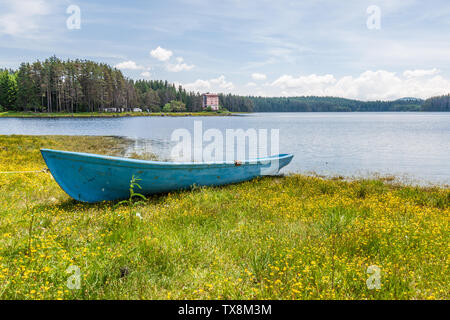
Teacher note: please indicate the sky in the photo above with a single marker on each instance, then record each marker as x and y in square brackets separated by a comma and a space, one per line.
[368, 50]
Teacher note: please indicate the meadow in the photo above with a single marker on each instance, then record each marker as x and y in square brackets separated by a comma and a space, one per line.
[283, 237]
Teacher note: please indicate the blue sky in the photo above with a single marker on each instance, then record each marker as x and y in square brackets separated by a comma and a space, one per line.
[271, 48]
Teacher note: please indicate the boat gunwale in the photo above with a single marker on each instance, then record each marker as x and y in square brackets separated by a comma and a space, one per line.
[126, 162]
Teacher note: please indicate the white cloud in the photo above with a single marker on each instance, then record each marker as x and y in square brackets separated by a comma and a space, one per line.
[161, 54]
[22, 18]
[179, 66]
[219, 84]
[198, 85]
[128, 65]
[369, 85]
[287, 81]
[222, 83]
[146, 74]
[259, 76]
[164, 55]
[420, 73]
[251, 84]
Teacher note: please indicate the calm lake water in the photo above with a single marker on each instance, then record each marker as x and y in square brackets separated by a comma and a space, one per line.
[413, 146]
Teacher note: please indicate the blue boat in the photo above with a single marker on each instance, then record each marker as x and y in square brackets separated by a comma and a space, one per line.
[92, 178]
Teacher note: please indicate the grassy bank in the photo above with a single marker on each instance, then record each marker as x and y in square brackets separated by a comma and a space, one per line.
[13, 114]
[292, 237]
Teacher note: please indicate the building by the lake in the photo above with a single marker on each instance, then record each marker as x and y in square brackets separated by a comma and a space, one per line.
[210, 100]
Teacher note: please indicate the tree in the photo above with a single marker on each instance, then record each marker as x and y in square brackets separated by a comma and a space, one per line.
[8, 90]
[177, 106]
[167, 108]
[441, 103]
[152, 100]
[26, 89]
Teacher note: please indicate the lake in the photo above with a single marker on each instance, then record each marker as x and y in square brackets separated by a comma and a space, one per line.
[412, 146]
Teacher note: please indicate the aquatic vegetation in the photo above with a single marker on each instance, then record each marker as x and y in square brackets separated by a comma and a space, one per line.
[293, 237]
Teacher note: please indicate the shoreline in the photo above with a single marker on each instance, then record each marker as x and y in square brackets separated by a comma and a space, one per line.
[93, 115]
[90, 115]
[21, 115]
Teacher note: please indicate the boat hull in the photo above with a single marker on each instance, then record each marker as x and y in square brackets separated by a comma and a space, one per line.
[94, 178]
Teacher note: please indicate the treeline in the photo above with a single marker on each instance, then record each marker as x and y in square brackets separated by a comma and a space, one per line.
[237, 103]
[157, 94]
[66, 86]
[54, 85]
[332, 104]
[441, 103]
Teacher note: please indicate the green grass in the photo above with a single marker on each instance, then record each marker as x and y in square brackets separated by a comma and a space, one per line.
[293, 237]
[14, 114]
